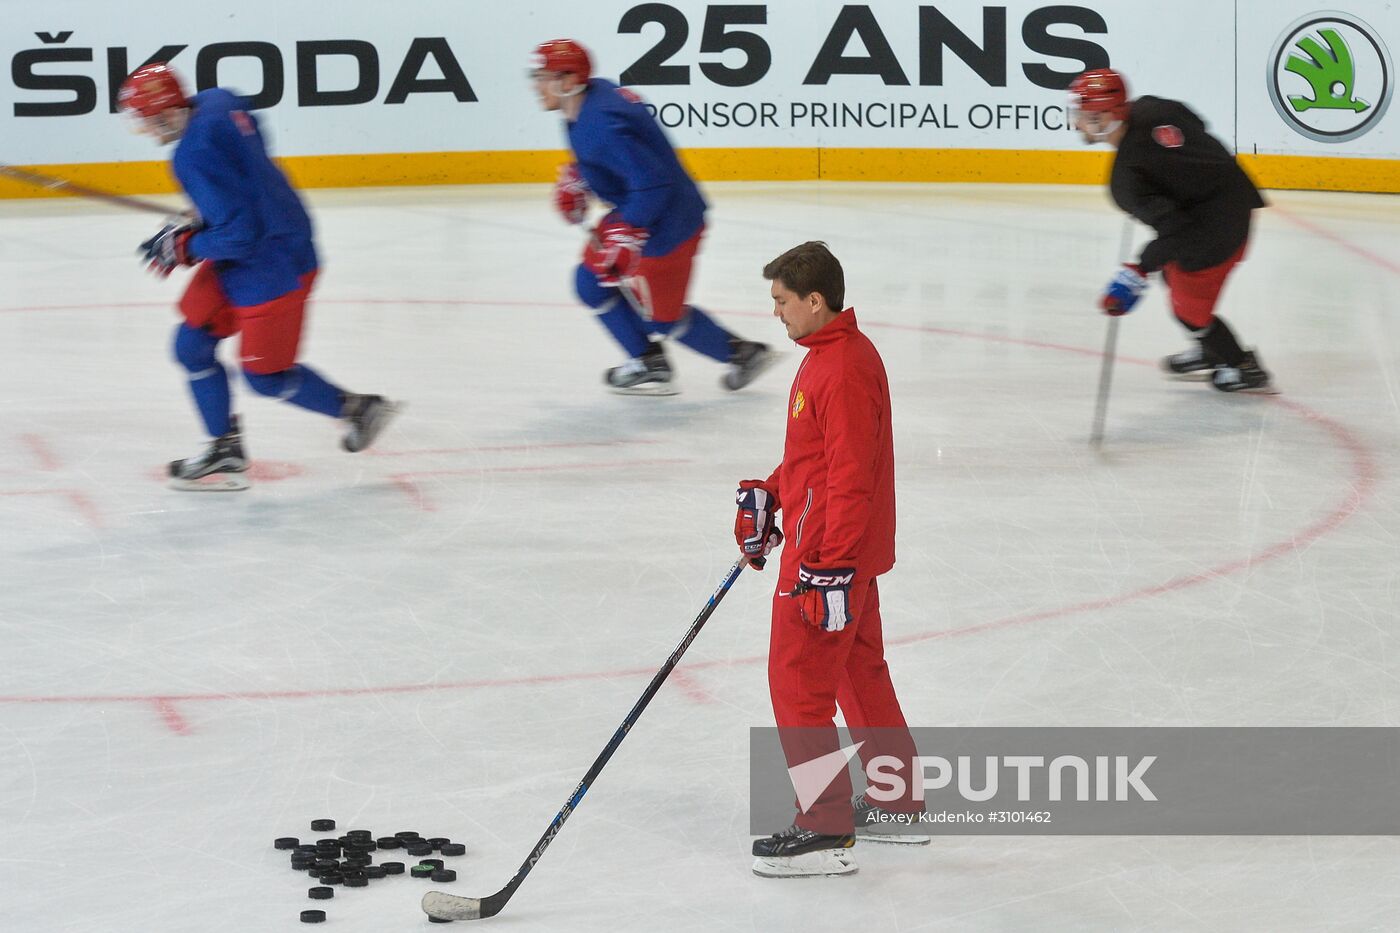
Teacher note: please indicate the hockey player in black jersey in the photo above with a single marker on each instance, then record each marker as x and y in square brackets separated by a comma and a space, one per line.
[1172, 175]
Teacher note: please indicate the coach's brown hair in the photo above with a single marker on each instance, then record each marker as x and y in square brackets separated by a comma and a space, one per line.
[810, 268]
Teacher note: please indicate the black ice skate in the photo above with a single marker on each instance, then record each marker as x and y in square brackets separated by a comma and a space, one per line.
[220, 468]
[748, 359]
[1193, 363]
[1245, 376]
[874, 824]
[648, 374]
[797, 853]
[367, 416]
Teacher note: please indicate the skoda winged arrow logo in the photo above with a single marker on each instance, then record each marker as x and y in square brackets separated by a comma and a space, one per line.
[1330, 77]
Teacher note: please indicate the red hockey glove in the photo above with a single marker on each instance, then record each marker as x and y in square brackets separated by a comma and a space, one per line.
[169, 248]
[615, 250]
[755, 527]
[571, 194]
[823, 594]
[1124, 291]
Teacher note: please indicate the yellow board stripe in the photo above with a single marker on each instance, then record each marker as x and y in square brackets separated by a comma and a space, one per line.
[998, 166]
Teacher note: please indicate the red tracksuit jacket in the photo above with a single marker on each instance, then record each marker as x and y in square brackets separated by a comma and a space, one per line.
[836, 482]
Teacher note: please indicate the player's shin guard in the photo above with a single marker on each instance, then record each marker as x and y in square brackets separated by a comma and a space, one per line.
[625, 325]
[698, 331]
[208, 380]
[300, 385]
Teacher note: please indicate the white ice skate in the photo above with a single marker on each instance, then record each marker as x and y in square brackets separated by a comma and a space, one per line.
[648, 374]
[222, 467]
[802, 853]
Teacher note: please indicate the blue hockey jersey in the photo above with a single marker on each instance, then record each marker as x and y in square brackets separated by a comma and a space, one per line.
[629, 163]
[255, 228]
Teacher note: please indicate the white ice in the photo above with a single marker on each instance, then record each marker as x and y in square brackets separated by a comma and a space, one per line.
[441, 634]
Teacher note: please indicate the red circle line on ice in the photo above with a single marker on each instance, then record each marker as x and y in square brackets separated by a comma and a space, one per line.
[1364, 476]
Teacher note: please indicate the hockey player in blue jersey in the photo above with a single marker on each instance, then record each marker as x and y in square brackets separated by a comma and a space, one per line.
[252, 243]
[637, 265]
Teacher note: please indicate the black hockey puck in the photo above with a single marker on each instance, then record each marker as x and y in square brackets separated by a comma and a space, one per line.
[432, 919]
[320, 894]
[322, 826]
[286, 842]
[418, 848]
[392, 868]
[422, 871]
[327, 864]
[444, 875]
[358, 859]
[453, 848]
[303, 864]
[435, 862]
[356, 881]
[332, 877]
[313, 916]
[388, 842]
[328, 843]
[306, 848]
[360, 834]
[408, 834]
[374, 871]
[437, 842]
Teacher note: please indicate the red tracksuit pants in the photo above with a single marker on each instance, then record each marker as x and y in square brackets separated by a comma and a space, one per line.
[810, 672]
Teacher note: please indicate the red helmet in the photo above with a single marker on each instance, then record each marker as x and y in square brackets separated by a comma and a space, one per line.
[1100, 89]
[563, 56]
[151, 89]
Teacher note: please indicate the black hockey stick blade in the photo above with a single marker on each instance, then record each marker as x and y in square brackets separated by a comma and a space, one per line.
[446, 906]
[61, 184]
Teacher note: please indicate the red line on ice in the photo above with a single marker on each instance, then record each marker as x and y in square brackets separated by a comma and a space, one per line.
[78, 499]
[171, 716]
[407, 482]
[507, 448]
[42, 452]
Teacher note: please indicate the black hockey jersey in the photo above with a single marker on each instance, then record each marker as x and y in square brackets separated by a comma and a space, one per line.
[1175, 177]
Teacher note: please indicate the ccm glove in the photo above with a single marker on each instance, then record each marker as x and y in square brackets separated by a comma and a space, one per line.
[615, 250]
[1124, 291]
[571, 194]
[169, 248]
[755, 526]
[823, 594]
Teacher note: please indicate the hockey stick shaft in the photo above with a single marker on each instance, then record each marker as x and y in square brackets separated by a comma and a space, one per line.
[452, 907]
[1110, 350]
[60, 184]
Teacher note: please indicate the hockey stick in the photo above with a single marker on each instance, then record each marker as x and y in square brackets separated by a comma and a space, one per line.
[59, 184]
[446, 906]
[1110, 349]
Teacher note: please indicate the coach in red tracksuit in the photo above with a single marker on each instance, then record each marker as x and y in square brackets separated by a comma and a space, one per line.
[835, 488]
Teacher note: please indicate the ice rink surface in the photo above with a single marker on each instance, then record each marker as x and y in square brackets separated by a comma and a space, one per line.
[441, 634]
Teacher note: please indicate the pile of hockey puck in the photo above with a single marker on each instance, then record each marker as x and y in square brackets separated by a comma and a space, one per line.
[348, 861]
